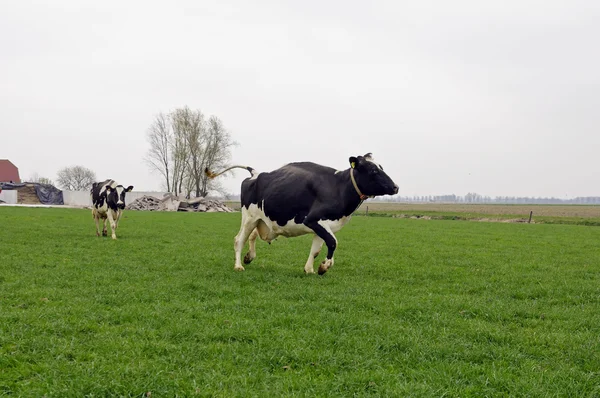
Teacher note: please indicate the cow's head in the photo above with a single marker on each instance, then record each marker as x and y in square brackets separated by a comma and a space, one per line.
[370, 177]
[117, 194]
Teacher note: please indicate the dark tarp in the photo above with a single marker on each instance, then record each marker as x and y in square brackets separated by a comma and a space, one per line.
[49, 194]
[46, 193]
[9, 185]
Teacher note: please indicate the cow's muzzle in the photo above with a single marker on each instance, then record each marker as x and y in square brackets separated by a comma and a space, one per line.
[395, 189]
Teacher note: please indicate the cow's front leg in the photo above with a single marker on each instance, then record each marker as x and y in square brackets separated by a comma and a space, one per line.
[324, 232]
[119, 213]
[104, 230]
[113, 225]
[251, 255]
[315, 249]
[240, 242]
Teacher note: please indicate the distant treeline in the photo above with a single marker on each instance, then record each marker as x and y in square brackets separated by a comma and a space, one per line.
[476, 198]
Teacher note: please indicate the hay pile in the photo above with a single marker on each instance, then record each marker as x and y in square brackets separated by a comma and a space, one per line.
[27, 195]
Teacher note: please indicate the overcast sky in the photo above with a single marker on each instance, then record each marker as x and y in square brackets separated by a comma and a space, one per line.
[498, 98]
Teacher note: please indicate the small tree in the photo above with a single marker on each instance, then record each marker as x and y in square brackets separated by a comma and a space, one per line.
[35, 177]
[47, 181]
[76, 178]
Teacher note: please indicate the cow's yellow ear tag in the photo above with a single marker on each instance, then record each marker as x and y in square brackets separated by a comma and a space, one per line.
[352, 164]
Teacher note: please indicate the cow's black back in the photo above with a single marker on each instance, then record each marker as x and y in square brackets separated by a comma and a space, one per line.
[293, 190]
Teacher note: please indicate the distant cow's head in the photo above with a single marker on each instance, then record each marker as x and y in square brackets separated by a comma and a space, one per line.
[370, 177]
[117, 194]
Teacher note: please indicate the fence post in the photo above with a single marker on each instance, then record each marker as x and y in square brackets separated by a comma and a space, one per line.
[530, 215]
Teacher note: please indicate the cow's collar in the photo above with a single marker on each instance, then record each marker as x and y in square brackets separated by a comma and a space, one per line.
[362, 196]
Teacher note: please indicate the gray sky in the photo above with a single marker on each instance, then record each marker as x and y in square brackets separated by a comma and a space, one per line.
[499, 98]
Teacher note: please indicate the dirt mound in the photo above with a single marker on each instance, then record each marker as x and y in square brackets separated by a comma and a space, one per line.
[27, 196]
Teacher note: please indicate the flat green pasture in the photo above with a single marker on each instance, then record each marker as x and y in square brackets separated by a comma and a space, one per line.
[411, 308]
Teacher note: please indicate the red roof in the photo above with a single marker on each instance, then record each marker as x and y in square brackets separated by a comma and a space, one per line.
[8, 171]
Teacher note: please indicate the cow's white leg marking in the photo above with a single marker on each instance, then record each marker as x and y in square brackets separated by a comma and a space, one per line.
[328, 262]
[251, 255]
[240, 241]
[113, 225]
[97, 223]
[315, 249]
[323, 230]
[119, 213]
[325, 265]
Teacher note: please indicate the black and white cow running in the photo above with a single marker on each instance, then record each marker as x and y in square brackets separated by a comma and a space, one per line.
[303, 198]
[108, 201]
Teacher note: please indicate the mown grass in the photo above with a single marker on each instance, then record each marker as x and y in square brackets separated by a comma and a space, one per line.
[410, 308]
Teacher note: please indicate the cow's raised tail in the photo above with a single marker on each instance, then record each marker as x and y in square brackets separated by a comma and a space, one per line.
[212, 175]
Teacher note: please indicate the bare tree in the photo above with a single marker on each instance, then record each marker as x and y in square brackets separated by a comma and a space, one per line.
[191, 125]
[183, 144]
[179, 155]
[44, 180]
[160, 137]
[35, 177]
[76, 178]
[217, 153]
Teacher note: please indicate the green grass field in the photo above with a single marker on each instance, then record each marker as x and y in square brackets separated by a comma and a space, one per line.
[411, 308]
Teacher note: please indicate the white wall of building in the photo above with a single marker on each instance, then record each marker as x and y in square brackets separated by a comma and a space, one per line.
[9, 196]
[77, 198]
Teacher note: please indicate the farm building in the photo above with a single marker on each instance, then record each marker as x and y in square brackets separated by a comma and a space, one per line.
[9, 172]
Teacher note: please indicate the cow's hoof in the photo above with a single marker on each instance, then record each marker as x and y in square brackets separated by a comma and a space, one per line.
[325, 265]
[309, 271]
[248, 258]
[114, 238]
[97, 233]
[238, 268]
[104, 233]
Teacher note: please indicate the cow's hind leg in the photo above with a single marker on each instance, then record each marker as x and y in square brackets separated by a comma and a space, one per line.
[324, 232]
[315, 249]
[97, 223]
[240, 241]
[251, 255]
[104, 230]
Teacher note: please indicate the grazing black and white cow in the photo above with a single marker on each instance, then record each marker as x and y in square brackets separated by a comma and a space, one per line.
[108, 201]
[303, 198]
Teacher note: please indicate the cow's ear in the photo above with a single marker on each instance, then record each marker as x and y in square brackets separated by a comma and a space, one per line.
[129, 188]
[108, 188]
[353, 161]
